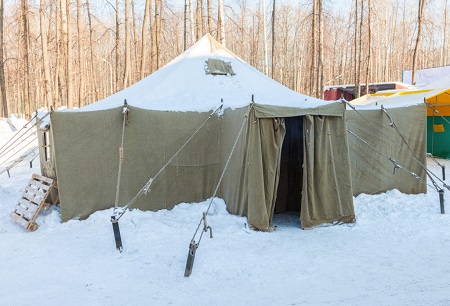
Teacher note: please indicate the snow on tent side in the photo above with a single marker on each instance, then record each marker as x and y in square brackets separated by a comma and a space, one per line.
[282, 130]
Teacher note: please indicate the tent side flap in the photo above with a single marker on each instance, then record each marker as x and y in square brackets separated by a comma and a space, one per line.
[372, 172]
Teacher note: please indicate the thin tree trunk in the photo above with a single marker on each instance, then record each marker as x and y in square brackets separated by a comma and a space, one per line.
[4, 106]
[80, 65]
[266, 53]
[369, 47]
[273, 38]
[45, 59]
[26, 60]
[313, 78]
[210, 20]
[199, 19]
[185, 25]
[134, 68]
[69, 59]
[444, 44]
[221, 24]
[192, 21]
[144, 39]
[92, 57]
[153, 29]
[117, 47]
[126, 73]
[319, 93]
[158, 11]
[417, 46]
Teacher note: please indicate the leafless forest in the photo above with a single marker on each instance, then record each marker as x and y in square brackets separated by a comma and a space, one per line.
[75, 52]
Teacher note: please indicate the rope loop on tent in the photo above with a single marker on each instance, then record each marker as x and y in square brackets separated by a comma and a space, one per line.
[120, 211]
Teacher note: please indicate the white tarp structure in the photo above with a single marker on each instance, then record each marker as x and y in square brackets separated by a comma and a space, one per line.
[427, 77]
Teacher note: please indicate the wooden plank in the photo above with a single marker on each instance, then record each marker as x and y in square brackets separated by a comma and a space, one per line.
[40, 186]
[18, 219]
[31, 207]
[28, 215]
[38, 177]
[37, 199]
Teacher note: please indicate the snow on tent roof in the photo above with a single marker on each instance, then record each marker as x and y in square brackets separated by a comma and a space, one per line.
[183, 85]
[394, 100]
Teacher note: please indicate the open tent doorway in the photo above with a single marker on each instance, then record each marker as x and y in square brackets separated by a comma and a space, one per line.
[289, 193]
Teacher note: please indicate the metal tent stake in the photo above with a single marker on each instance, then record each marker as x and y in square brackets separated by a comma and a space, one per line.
[190, 259]
[441, 200]
[443, 172]
[116, 230]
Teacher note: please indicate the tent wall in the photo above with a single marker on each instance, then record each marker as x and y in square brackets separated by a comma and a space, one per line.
[234, 187]
[373, 173]
[87, 158]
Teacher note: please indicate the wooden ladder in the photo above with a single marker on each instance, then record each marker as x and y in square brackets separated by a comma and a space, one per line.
[33, 200]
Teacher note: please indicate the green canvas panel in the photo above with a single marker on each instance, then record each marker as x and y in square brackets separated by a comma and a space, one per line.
[373, 173]
[234, 186]
[438, 143]
[265, 139]
[87, 171]
[271, 111]
[327, 190]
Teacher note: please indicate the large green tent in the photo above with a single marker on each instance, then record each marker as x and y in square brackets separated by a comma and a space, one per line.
[292, 153]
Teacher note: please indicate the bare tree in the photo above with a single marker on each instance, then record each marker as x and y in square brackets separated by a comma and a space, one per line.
[127, 69]
[273, 38]
[26, 60]
[417, 46]
[221, 24]
[69, 54]
[45, 57]
[144, 38]
[2, 64]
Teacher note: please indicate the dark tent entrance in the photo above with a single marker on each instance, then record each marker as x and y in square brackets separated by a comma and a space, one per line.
[289, 193]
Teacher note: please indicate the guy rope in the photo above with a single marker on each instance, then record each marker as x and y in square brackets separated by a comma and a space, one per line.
[120, 211]
[193, 246]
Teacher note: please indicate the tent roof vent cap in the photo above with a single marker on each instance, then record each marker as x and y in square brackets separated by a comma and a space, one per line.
[218, 67]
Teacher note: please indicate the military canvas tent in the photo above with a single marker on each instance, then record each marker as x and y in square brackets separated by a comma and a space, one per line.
[291, 155]
[376, 141]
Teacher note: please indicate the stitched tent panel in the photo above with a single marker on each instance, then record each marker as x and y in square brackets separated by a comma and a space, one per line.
[371, 172]
[87, 171]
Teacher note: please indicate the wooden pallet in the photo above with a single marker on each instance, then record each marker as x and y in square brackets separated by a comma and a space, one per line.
[33, 200]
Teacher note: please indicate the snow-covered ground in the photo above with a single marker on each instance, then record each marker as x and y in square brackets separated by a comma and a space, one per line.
[397, 253]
